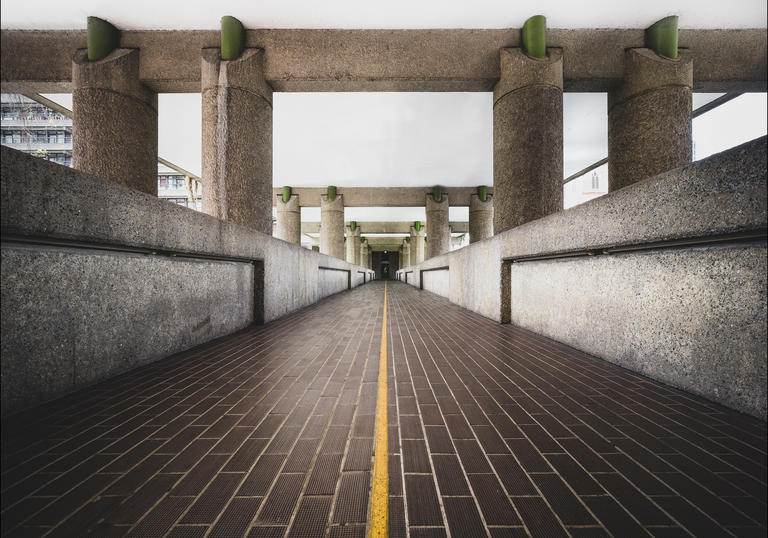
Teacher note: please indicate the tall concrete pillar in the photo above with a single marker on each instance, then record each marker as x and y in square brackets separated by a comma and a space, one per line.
[649, 117]
[114, 120]
[406, 254]
[438, 229]
[237, 139]
[527, 138]
[480, 218]
[288, 219]
[370, 257]
[353, 244]
[363, 252]
[332, 226]
[417, 245]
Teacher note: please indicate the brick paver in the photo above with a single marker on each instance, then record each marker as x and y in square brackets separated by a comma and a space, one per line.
[493, 431]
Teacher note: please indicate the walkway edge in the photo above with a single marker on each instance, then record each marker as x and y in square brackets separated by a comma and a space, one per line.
[380, 496]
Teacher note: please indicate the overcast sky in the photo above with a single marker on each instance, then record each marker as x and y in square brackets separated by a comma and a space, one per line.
[205, 14]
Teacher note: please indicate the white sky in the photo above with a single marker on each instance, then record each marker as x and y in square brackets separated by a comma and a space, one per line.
[205, 14]
[422, 139]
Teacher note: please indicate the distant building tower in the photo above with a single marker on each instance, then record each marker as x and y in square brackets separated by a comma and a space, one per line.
[33, 128]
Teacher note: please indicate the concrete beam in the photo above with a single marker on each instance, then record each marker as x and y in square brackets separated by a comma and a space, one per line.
[384, 60]
[383, 196]
[383, 227]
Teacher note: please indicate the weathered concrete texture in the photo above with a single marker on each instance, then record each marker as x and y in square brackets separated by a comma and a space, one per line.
[385, 60]
[406, 254]
[288, 220]
[438, 282]
[724, 194]
[527, 138]
[352, 245]
[480, 218]
[71, 317]
[649, 117]
[237, 139]
[114, 125]
[439, 233]
[332, 226]
[45, 204]
[330, 281]
[693, 318]
[364, 257]
[417, 245]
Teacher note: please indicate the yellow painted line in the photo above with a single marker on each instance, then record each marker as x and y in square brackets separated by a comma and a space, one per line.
[380, 496]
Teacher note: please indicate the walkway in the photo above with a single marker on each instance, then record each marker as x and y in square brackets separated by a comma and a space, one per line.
[493, 430]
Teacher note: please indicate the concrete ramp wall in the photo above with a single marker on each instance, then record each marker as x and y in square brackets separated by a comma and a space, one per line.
[98, 279]
[666, 277]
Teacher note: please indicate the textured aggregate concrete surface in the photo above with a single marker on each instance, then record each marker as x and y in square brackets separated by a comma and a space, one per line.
[115, 120]
[237, 119]
[493, 431]
[723, 194]
[385, 60]
[527, 138]
[59, 207]
[692, 318]
[650, 115]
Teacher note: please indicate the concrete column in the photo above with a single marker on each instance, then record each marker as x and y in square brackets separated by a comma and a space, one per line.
[288, 219]
[114, 120]
[480, 218]
[332, 226]
[362, 248]
[353, 244]
[649, 117]
[527, 138]
[438, 229]
[417, 246]
[237, 139]
[370, 258]
[406, 254]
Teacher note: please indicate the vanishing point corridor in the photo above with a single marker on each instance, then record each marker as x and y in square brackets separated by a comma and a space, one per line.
[493, 431]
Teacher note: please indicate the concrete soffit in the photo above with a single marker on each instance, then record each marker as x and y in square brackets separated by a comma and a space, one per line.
[384, 60]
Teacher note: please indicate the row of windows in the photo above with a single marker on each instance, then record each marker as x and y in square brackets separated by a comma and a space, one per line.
[30, 112]
[44, 137]
[55, 156]
[198, 204]
[170, 182]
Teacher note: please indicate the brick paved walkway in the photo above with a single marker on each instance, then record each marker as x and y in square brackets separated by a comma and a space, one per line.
[493, 430]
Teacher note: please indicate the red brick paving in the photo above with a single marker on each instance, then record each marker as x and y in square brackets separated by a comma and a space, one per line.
[494, 431]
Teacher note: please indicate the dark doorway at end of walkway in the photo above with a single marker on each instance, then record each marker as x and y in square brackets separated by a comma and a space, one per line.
[386, 264]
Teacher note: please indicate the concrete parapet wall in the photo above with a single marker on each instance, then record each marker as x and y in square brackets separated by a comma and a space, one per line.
[666, 277]
[98, 279]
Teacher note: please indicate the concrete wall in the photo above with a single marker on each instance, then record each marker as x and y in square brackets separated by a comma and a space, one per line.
[98, 279]
[688, 307]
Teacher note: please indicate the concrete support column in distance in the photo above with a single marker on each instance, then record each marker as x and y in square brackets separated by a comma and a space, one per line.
[288, 219]
[406, 253]
[237, 139]
[114, 120]
[649, 117]
[362, 247]
[438, 229]
[417, 245]
[353, 244]
[480, 218]
[527, 138]
[332, 226]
